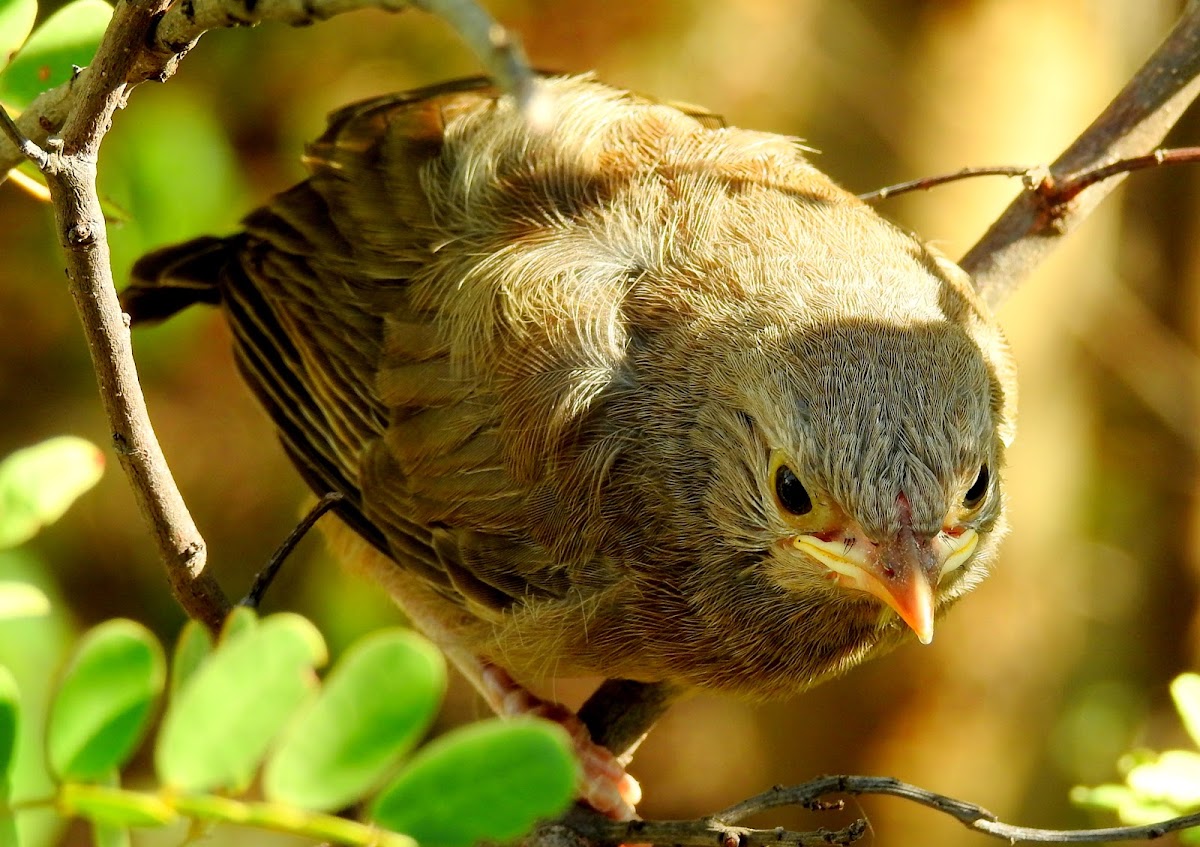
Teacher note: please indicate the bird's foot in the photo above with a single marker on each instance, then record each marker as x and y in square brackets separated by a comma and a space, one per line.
[604, 785]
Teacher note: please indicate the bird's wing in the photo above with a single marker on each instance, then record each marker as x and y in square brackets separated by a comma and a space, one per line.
[350, 359]
[468, 436]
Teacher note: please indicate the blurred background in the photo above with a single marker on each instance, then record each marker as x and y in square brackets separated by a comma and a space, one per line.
[1037, 682]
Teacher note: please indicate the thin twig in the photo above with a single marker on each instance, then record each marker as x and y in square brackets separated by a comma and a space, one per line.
[975, 817]
[267, 575]
[24, 146]
[595, 829]
[1068, 189]
[721, 828]
[1038, 177]
[927, 182]
[1133, 125]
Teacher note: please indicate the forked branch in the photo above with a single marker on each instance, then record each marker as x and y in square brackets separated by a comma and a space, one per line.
[1133, 125]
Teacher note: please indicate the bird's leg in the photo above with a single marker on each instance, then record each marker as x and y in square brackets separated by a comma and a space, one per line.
[621, 712]
[605, 786]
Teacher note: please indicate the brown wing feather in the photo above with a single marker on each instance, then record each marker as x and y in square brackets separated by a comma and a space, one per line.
[330, 262]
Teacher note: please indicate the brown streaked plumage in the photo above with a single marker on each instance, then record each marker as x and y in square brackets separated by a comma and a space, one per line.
[628, 394]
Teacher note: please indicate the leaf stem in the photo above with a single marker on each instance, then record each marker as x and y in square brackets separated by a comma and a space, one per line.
[137, 808]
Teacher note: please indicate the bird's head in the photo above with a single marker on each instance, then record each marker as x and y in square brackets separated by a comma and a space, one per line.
[860, 465]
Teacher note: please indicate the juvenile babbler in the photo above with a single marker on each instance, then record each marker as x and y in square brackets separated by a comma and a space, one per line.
[623, 392]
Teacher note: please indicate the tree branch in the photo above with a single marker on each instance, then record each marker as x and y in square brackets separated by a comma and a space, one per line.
[722, 829]
[70, 168]
[1133, 125]
[1068, 189]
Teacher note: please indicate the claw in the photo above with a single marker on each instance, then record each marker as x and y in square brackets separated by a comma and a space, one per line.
[603, 784]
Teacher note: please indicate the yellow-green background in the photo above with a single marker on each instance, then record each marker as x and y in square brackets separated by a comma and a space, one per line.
[1037, 681]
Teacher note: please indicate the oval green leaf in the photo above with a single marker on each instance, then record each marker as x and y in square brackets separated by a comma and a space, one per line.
[66, 39]
[16, 22]
[191, 649]
[22, 600]
[226, 715]
[373, 708]
[105, 700]
[10, 710]
[490, 781]
[39, 483]
[239, 621]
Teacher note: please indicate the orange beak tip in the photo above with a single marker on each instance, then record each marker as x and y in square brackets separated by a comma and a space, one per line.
[915, 608]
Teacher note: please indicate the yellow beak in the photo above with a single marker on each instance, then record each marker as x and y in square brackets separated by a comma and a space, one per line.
[901, 573]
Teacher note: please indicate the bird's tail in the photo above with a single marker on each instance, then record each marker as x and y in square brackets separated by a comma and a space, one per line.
[173, 278]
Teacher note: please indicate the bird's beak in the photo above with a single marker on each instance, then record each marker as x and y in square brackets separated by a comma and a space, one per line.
[902, 572]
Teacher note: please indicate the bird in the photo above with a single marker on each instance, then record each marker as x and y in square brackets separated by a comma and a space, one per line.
[621, 391]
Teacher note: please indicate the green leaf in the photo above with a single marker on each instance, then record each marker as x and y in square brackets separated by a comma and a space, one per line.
[39, 483]
[1174, 779]
[193, 647]
[217, 730]
[16, 22]
[30, 647]
[490, 781]
[10, 704]
[1110, 796]
[1185, 691]
[67, 38]
[105, 700]
[22, 600]
[239, 621]
[374, 707]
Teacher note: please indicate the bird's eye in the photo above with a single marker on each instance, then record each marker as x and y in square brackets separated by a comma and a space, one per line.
[790, 492]
[978, 489]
